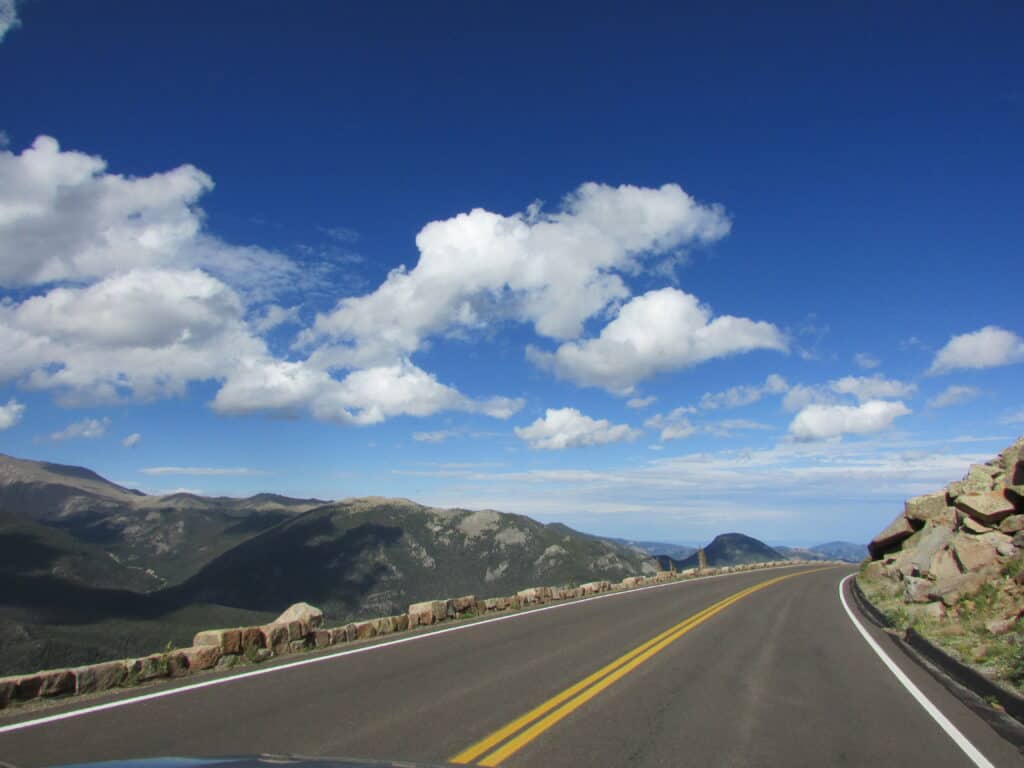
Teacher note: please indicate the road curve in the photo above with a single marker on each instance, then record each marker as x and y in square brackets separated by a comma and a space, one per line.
[707, 672]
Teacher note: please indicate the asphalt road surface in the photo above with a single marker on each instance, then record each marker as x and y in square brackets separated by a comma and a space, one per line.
[745, 670]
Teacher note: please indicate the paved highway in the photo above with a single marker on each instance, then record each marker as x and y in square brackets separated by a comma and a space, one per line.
[745, 670]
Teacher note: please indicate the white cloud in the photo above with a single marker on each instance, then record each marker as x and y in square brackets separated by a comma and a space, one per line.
[864, 360]
[953, 395]
[872, 388]
[1017, 417]
[63, 217]
[640, 402]
[202, 471]
[11, 414]
[820, 422]
[144, 334]
[674, 425]
[438, 436]
[8, 17]
[87, 428]
[744, 394]
[662, 330]
[553, 270]
[568, 428]
[366, 396]
[988, 348]
[273, 316]
[131, 440]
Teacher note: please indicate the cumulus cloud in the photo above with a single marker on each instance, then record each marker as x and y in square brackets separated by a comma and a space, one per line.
[726, 427]
[674, 425]
[365, 396]
[953, 395]
[552, 270]
[8, 17]
[130, 298]
[11, 414]
[640, 402]
[864, 360]
[131, 440]
[744, 394]
[568, 428]
[820, 422]
[872, 388]
[990, 347]
[87, 428]
[660, 331]
[63, 217]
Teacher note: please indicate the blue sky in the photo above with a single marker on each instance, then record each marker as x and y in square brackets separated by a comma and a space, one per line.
[655, 272]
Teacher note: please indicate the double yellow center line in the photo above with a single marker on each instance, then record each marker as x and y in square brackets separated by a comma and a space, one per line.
[528, 727]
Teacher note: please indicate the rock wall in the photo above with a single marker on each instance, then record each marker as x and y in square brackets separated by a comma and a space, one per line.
[947, 545]
[301, 628]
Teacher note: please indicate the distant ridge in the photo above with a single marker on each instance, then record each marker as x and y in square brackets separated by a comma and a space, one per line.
[726, 549]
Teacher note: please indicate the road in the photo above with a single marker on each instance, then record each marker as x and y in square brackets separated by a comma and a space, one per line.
[702, 673]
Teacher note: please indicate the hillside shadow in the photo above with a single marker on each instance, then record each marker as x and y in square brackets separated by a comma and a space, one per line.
[304, 561]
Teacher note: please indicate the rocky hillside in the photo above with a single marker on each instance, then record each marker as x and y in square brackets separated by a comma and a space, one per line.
[374, 556]
[951, 565]
[92, 571]
[726, 549]
[97, 533]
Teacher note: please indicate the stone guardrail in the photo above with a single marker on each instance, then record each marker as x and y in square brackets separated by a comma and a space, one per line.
[301, 628]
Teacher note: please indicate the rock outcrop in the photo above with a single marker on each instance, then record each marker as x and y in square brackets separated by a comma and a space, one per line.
[946, 546]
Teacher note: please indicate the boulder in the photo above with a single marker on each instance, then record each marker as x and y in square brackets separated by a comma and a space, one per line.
[427, 613]
[57, 682]
[322, 638]
[338, 635]
[936, 611]
[297, 646]
[531, 596]
[632, 581]
[28, 687]
[229, 640]
[99, 677]
[1013, 463]
[969, 524]
[8, 688]
[988, 508]
[1015, 495]
[148, 667]
[252, 638]
[943, 566]
[980, 478]
[310, 615]
[202, 657]
[177, 663]
[275, 637]
[930, 506]
[898, 530]
[1012, 524]
[1018, 539]
[916, 590]
[401, 622]
[973, 554]
[949, 591]
[460, 606]
[366, 629]
[1000, 626]
[933, 539]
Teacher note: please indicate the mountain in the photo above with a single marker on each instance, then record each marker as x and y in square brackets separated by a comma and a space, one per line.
[677, 551]
[92, 571]
[162, 539]
[832, 550]
[375, 556]
[727, 549]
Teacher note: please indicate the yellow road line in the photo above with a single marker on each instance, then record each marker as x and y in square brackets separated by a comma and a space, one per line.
[541, 718]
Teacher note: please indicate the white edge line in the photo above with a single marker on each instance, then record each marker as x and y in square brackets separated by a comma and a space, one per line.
[951, 730]
[365, 649]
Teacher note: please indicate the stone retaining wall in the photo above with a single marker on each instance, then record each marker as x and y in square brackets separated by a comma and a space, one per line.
[301, 628]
